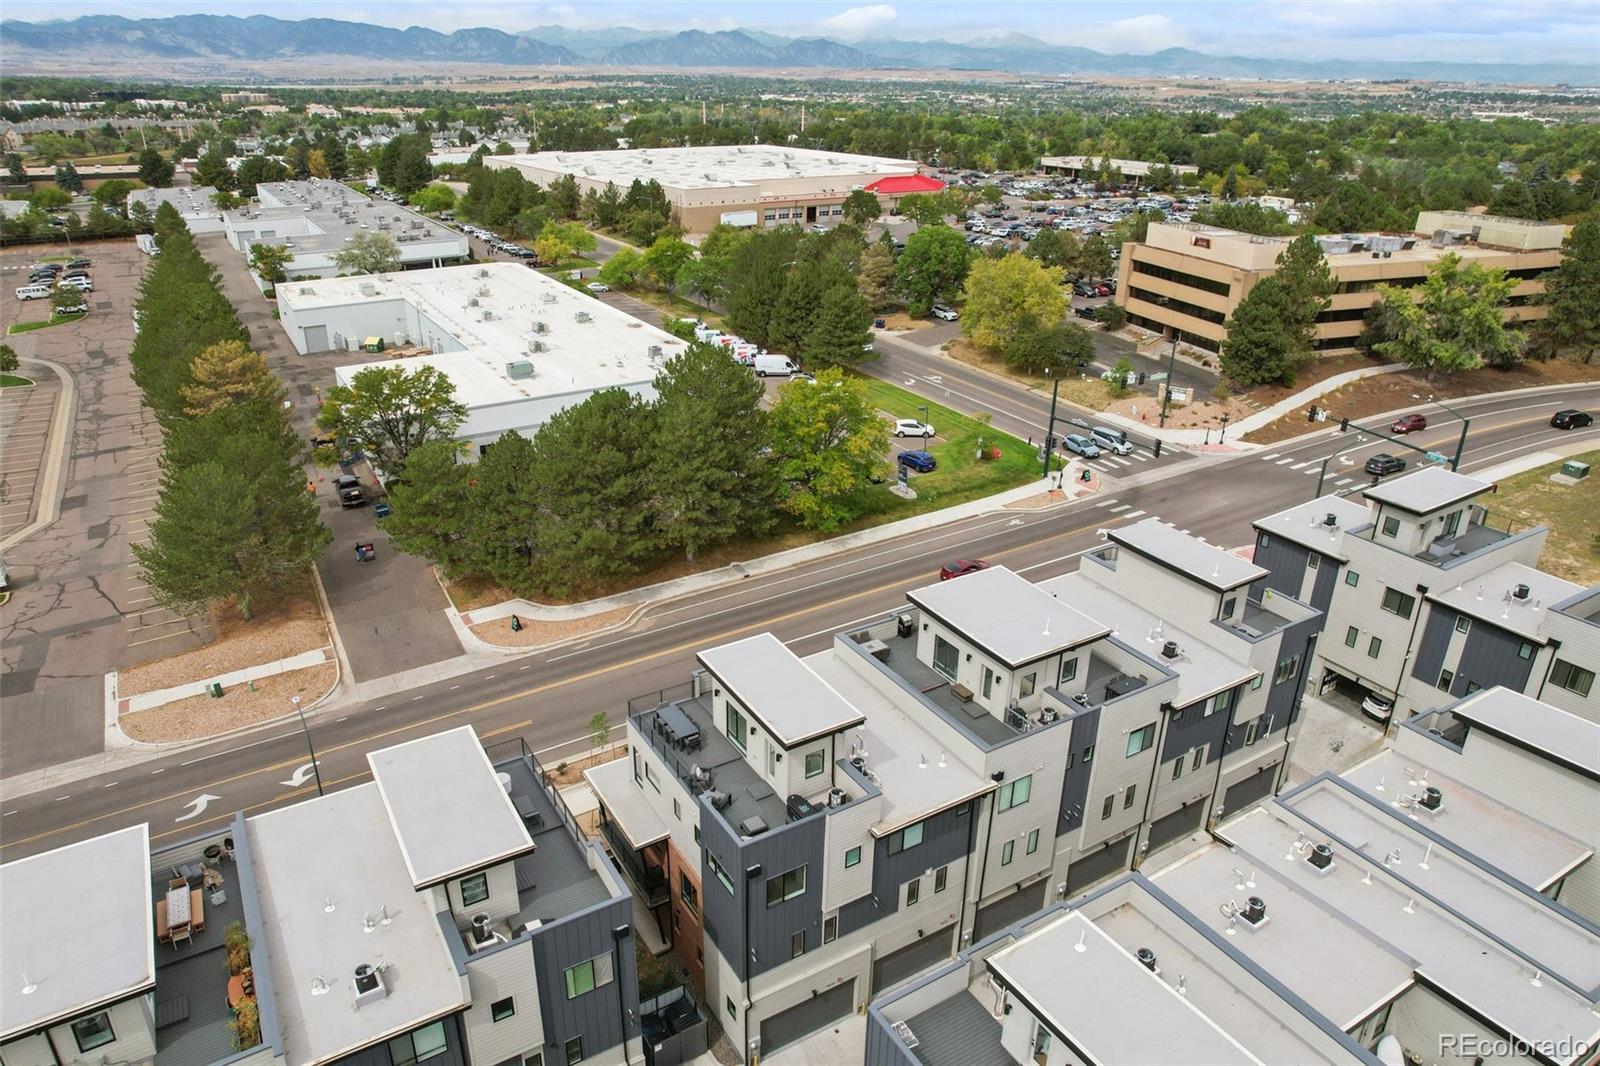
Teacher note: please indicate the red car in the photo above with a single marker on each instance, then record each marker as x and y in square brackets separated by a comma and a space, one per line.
[1409, 424]
[960, 567]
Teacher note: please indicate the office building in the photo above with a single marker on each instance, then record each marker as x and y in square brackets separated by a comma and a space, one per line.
[1185, 279]
[516, 344]
[1133, 171]
[740, 185]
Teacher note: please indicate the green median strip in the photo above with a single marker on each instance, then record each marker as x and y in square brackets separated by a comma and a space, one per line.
[44, 323]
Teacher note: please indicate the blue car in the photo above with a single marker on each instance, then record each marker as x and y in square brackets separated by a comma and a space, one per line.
[920, 461]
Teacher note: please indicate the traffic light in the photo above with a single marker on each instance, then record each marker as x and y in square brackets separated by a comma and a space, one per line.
[1141, 377]
[1311, 415]
[1344, 425]
[1155, 452]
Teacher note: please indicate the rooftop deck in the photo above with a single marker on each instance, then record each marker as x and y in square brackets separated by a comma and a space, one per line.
[957, 1032]
[968, 715]
[555, 880]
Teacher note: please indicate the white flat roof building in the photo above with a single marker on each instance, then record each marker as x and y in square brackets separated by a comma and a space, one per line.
[518, 346]
[196, 206]
[1130, 168]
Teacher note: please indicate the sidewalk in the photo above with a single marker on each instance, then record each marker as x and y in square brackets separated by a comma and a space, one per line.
[144, 701]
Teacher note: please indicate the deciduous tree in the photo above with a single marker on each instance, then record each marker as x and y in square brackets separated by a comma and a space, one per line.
[270, 262]
[862, 208]
[875, 279]
[932, 267]
[1454, 321]
[1006, 297]
[368, 252]
[830, 442]
[1059, 347]
[391, 412]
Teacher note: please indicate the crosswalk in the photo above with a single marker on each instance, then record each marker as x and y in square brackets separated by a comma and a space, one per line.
[1115, 464]
[1113, 506]
[1337, 476]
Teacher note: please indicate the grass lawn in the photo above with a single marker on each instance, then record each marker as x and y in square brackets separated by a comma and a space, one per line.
[29, 327]
[11, 381]
[1572, 550]
[676, 305]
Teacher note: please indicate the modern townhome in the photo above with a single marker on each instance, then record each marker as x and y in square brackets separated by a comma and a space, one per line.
[1390, 915]
[811, 831]
[1430, 596]
[447, 910]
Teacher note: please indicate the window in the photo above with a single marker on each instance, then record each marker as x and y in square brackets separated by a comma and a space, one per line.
[733, 1012]
[1008, 852]
[988, 682]
[697, 834]
[913, 890]
[1446, 679]
[1286, 670]
[852, 857]
[691, 895]
[1088, 755]
[1141, 739]
[1228, 605]
[650, 776]
[830, 929]
[737, 728]
[1033, 841]
[1223, 701]
[941, 878]
[946, 657]
[905, 839]
[1352, 578]
[1105, 808]
[1525, 651]
[1015, 793]
[1026, 686]
[93, 1031]
[1250, 734]
[814, 760]
[797, 944]
[1177, 767]
[574, 1051]
[1473, 686]
[1571, 677]
[786, 886]
[588, 975]
[677, 809]
[474, 889]
[1391, 526]
[1452, 523]
[1374, 646]
[1351, 635]
[1255, 682]
[1069, 670]
[1199, 754]
[418, 1045]
[501, 1009]
[1463, 623]
[719, 873]
[1313, 560]
[1127, 796]
[1397, 602]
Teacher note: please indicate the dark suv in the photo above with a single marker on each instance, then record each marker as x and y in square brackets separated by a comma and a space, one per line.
[1572, 418]
[1383, 464]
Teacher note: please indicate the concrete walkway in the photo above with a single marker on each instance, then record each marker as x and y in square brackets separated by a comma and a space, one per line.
[144, 701]
[53, 467]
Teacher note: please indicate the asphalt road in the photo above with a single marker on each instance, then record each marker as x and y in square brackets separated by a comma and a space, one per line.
[547, 698]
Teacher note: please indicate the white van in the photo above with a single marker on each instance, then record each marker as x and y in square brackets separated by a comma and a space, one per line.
[34, 292]
[1112, 440]
[774, 365]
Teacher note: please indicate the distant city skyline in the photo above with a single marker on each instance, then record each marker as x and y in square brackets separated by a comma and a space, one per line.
[1531, 31]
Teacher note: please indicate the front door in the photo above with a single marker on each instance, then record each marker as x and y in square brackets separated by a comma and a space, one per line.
[811, 214]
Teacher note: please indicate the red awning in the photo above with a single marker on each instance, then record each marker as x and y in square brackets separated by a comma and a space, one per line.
[901, 184]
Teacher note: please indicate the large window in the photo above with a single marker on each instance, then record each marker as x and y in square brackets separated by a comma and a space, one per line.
[718, 872]
[1026, 686]
[1571, 677]
[852, 857]
[905, 839]
[1286, 670]
[737, 728]
[946, 657]
[93, 1031]
[419, 1045]
[690, 894]
[1397, 602]
[475, 889]
[786, 885]
[814, 763]
[1015, 793]
[501, 1009]
[1141, 739]
[588, 975]
[1391, 526]
[1069, 670]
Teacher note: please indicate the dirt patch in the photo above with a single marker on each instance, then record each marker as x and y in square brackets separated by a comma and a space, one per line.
[535, 634]
[900, 321]
[963, 350]
[198, 717]
[288, 628]
[473, 593]
[1392, 392]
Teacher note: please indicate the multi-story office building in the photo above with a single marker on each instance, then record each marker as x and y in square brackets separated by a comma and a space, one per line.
[811, 831]
[447, 910]
[1185, 279]
[1430, 595]
[1434, 903]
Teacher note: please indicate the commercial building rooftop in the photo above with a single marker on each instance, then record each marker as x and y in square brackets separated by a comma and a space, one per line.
[1548, 731]
[1306, 523]
[76, 929]
[1008, 616]
[1133, 168]
[708, 166]
[450, 813]
[1426, 491]
[317, 216]
[1494, 597]
[779, 690]
[1172, 548]
[191, 201]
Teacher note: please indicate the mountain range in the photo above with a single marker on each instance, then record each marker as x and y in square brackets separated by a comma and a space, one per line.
[260, 38]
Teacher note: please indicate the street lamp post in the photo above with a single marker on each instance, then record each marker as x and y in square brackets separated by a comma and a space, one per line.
[1322, 476]
[1050, 429]
[1461, 443]
[1223, 432]
[1166, 396]
[309, 746]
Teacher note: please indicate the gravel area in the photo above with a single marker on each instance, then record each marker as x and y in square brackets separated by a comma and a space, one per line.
[288, 629]
[199, 717]
[535, 634]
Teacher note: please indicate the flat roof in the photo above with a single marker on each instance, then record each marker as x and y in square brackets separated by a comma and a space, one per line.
[1426, 491]
[77, 929]
[189, 200]
[323, 868]
[606, 348]
[1130, 167]
[1007, 615]
[781, 691]
[333, 212]
[1305, 523]
[629, 807]
[1545, 730]
[708, 166]
[1491, 597]
[449, 810]
[1177, 550]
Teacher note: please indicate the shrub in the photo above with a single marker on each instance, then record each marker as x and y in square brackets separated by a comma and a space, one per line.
[237, 942]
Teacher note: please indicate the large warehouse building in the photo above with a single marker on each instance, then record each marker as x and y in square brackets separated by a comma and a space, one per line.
[742, 185]
[195, 204]
[317, 217]
[1185, 279]
[518, 346]
[1073, 166]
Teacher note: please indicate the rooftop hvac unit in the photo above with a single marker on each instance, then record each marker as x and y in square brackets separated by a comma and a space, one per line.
[487, 314]
[483, 290]
[368, 984]
[1521, 592]
[541, 326]
[1169, 650]
[472, 301]
[583, 316]
[483, 272]
[653, 352]
[368, 289]
[518, 369]
[548, 298]
[538, 346]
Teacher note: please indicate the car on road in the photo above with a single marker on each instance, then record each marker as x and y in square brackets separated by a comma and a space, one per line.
[1571, 418]
[599, 286]
[1377, 707]
[1112, 440]
[920, 461]
[911, 427]
[348, 486]
[1082, 445]
[947, 314]
[1383, 464]
[959, 567]
[1409, 423]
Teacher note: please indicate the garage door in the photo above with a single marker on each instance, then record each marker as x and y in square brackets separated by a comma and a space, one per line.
[1180, 823]
[913, 959]
[1085, 871]
[1002, 913]
[316, 338]
[1253, 788]
[801, 1021]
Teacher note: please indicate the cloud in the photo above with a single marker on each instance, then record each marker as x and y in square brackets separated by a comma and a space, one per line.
[857, 22]
[1141, 34]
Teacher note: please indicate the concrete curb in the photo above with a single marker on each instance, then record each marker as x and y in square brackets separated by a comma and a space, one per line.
[147, 701]
[1523, 463]
[52, 479]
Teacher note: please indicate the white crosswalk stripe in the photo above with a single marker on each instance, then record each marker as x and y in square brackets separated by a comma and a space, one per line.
[1280, 462]
[1107, 503]
[1270, 455]
[1297, 466]
[1133, 514]
[1344, 481]
[1140, 458]
[1121, 507]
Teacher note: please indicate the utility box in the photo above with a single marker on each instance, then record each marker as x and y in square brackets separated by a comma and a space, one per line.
[1575, 470]
[372, 344]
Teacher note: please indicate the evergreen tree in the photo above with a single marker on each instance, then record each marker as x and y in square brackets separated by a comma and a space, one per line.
[298, 158]
[797, 307]
[1057, 347]
[1308, 285]
[432, 508]
[154, 170]
[564, 198]
[335, 156]
[875, 281]
[211, 170]
[1261, 345]
[1094, 258]
[503, 516]
[225, 374]
[1512, 200]
[258, 169]
[1572, 293]
[841, 333]
[67, 177]
[759, 272]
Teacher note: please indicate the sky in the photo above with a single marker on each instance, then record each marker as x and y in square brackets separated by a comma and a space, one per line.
[1516, 31]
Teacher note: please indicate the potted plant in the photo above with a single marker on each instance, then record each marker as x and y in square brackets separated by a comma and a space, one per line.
[246, 1024]
[237, 941]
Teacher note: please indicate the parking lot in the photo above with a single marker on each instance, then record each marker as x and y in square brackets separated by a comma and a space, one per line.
[25, 417]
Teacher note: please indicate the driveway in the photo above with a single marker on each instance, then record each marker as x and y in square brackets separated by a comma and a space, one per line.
[389, 613]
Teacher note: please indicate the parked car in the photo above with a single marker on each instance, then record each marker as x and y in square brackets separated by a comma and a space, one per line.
[599, 286]
[74, 309]
[1112, 440]
[81, 284]
[1084, 312]
[911, 427]
[1082, 445]
[348, 486]
[1409, 423]
[958, 567]
[34, 292]
[947, 314]
[920, 461]
[1383, 464]
[1376, 707]
[778, 365]
[1571, 418]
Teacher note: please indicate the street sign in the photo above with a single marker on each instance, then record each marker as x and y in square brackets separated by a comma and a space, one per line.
[1437, 457]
